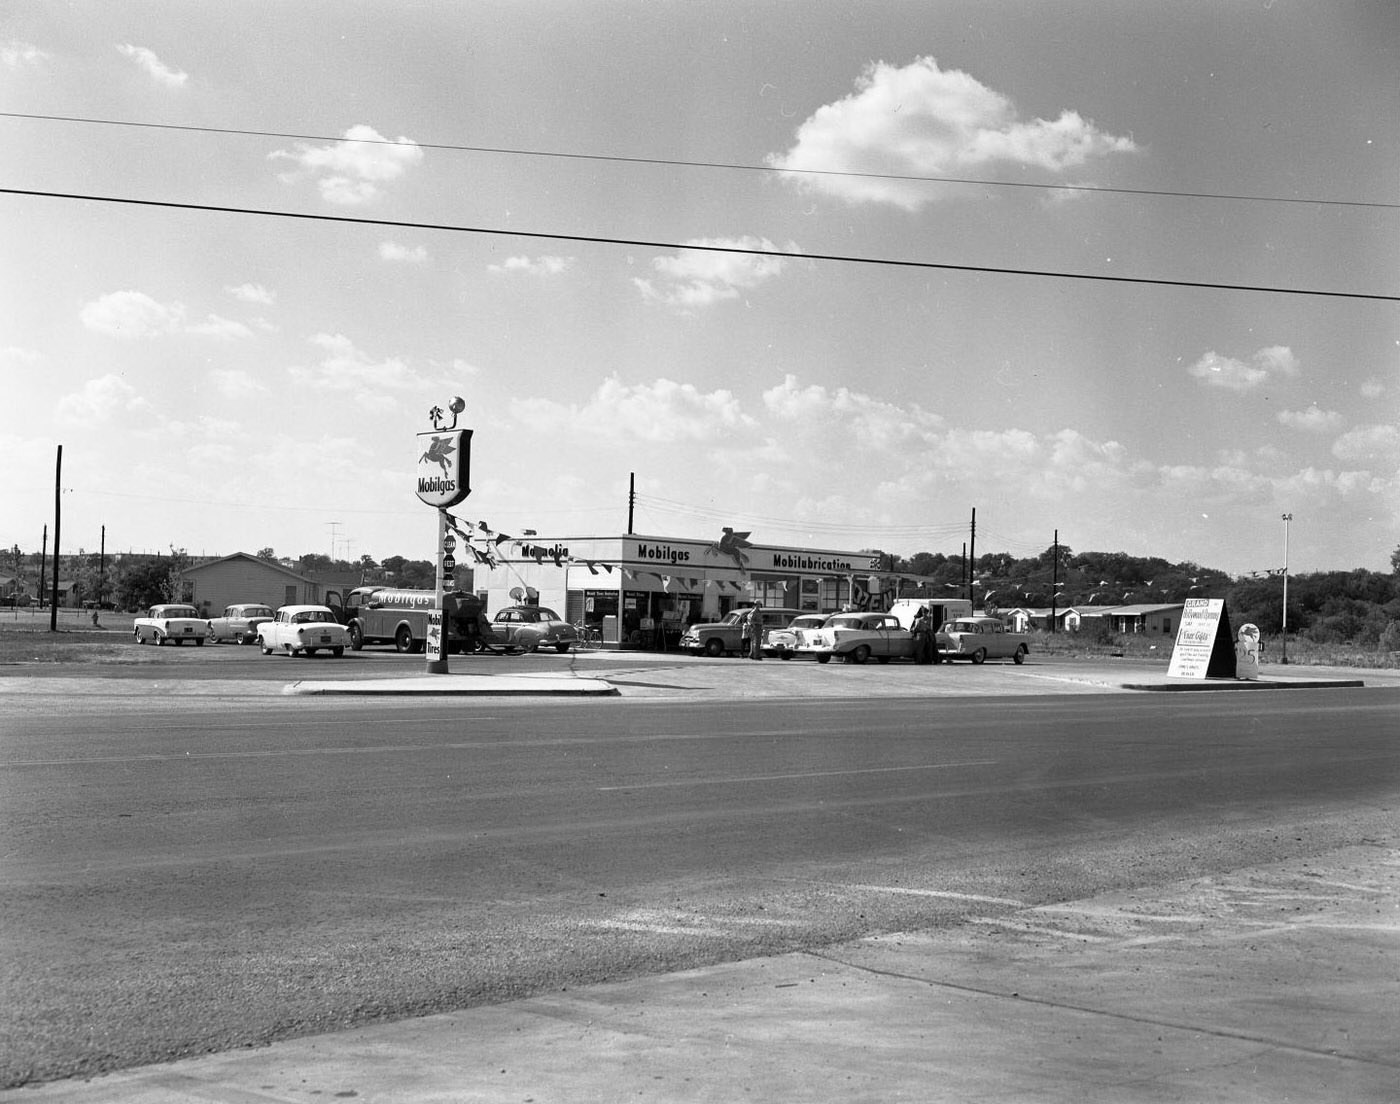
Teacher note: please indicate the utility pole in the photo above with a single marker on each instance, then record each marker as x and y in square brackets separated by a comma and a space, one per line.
[43, 565]
[631, 500]
[102, 569]
[1055, 582]
[972, 558]
[333, 526]
[57, 523]
[1284, 647]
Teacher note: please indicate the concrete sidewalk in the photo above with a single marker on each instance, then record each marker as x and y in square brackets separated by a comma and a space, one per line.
[1277, 983]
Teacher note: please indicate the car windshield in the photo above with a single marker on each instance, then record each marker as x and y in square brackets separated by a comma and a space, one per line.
[257, 611]
[180, 611]
[844, 622]
[306, 617]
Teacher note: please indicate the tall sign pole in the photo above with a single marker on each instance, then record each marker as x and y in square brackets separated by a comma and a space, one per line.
[1283, 658]
[57, 529]
[443, 475]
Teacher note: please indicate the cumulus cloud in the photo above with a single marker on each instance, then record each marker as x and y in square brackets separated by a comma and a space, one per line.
[16, 55]
[154, 68]
[234, 383]
[252, 293]
[100, 400]
[534, 266]
[132, 314]
[345, 368]
[699, 277]
[1376, 445]
[352, 171]
[919, 120]
[1314, 419]
[407, 254]
[811, 413]
[662, 412]
[222, 328]
[1245, 375]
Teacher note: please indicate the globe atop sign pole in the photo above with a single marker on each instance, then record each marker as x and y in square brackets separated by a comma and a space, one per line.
[443, 480]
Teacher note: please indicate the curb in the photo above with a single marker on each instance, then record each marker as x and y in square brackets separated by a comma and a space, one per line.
[469, 685]
[1244, 684]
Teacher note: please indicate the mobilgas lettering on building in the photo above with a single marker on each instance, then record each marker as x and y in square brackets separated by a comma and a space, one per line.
[662, 553]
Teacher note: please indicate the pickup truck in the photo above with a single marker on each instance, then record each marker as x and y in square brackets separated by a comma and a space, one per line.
[980, 639]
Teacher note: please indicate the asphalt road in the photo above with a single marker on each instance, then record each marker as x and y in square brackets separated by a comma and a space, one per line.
[179, 880]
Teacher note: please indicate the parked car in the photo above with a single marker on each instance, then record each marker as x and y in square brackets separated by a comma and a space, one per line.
[176, 622]
[717, 638]
[530, 628]
[855, 637]
[304, 629]
[785, 641]
[979, 639]
[239, 623]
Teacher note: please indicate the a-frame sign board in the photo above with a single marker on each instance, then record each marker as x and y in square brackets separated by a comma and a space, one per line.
[1205, 646]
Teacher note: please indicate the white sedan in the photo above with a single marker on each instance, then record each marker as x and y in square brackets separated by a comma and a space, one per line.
[304, 629]
[177, 623]
[856, 637]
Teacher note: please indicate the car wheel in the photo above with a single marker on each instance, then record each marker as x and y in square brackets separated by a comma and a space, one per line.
[262, 644]
[337, 652]
[824, 657]
[160, 640]
[403, 639]
[785, 654]
[136, 636]
[561, 648]
[882, 659]
[979, 656]
[238, 638]
[357, 638]
[199, 641]
[308, 652]
[1020, 656]
[861, 654]
[714, 647]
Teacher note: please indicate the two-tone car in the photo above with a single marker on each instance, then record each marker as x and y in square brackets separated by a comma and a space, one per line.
[239, 623]
[785, 641]
[303, 630]
[173, 622]
[529, 628]
[979, 639]
[717, 638]
[857, 637]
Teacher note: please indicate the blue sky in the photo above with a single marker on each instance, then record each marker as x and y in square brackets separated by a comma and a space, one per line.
[225, 382]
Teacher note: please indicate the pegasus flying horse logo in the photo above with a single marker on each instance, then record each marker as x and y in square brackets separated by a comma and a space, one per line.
[439, 452]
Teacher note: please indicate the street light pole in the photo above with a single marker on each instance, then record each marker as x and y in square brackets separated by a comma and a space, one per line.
[1284, 657]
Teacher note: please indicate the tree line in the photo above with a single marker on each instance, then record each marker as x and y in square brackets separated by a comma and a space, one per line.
[1357, 607]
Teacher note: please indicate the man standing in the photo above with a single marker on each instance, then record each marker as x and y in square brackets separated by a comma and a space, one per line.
[755, 629]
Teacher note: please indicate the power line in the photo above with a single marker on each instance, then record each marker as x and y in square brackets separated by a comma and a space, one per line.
[725, 165]
[402, 224]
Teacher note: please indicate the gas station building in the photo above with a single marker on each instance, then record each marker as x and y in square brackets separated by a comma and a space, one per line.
[630, 587]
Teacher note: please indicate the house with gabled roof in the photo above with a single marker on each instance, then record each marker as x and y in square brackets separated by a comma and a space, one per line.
[241, 577]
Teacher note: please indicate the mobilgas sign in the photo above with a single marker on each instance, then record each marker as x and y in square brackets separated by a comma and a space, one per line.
[444, 466]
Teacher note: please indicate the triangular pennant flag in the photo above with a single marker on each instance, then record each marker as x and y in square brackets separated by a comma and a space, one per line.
[501, 538]
[591, 569]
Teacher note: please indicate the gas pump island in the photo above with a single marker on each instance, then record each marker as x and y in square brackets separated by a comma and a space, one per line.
[443, 473]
